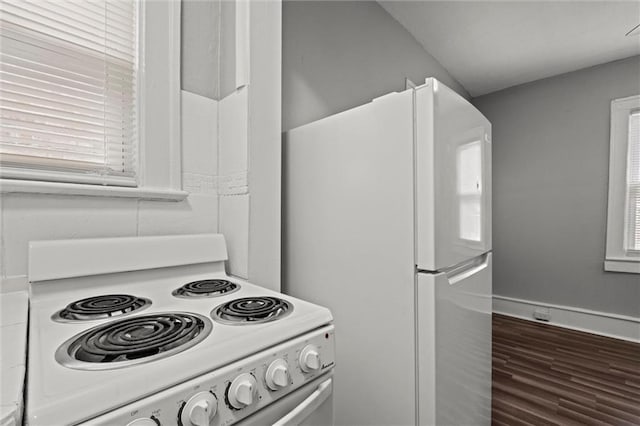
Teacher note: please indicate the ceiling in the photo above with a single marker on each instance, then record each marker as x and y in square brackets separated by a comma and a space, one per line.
[491, 45]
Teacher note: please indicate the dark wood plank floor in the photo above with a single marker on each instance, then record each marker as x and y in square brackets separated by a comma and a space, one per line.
[549, 375]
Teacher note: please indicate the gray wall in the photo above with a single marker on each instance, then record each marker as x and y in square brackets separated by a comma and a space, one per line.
[227, 65]
[208, 47]
[550, 177]
[200, 47]
[338, 55]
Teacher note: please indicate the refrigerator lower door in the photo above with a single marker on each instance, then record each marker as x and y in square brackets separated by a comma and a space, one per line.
[454, 345]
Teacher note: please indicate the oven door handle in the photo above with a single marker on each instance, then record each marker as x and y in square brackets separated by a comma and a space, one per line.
[308, 406]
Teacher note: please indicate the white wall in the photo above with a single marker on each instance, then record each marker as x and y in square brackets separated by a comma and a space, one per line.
[248, 156]
[265, 103]
[550, 179]
[29, 217]
[341, 54]
[226, 145]
[250, 146]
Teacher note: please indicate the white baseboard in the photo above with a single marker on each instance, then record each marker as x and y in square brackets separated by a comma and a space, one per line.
[602, 323]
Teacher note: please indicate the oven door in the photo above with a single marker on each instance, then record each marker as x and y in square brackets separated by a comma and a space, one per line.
[312, 404]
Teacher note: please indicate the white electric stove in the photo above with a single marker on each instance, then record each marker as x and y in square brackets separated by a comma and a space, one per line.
[151, 331]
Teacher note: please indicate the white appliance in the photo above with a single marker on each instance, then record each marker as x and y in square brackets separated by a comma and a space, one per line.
[387, 219]
[150, 331]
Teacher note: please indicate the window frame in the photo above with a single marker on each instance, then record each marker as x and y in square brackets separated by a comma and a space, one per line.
[159, 144]
[617, 258]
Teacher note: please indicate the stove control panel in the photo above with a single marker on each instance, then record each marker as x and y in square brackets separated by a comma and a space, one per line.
[234, 392]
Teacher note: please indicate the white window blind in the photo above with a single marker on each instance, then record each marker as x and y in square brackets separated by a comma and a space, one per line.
[633, 184]
[68, 72]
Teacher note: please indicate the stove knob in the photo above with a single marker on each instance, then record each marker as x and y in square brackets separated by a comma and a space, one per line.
[277, 376]
[242, 391]
[309, 359]
[199, 409]
[143, 422]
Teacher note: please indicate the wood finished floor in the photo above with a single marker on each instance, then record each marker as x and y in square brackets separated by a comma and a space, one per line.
[546, 375]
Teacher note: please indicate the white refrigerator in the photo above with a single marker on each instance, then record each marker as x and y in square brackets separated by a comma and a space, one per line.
[387, 222]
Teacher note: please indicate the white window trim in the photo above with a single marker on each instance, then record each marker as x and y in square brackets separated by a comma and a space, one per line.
[159, 147]
[616, 258]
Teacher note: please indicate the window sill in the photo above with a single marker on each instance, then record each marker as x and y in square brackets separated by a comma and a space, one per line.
[15, 186]
[628, 266]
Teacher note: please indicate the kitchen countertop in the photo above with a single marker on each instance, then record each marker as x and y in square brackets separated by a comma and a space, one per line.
[14, 308]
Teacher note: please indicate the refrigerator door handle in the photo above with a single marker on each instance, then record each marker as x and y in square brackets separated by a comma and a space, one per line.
[462, 272]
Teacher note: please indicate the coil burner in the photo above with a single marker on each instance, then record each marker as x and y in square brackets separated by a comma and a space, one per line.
[206, 288]
[252, 310]
[134, 340]
[101, 307]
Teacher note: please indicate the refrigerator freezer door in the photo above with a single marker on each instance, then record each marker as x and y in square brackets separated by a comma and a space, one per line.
[453, 178]
[454, 345]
